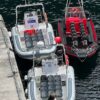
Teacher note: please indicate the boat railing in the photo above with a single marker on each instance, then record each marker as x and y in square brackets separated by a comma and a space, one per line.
[71, 14]
[28, 5]
[75, 12]
[80, 2]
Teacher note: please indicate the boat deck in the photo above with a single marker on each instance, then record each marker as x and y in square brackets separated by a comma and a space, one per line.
[10, 82]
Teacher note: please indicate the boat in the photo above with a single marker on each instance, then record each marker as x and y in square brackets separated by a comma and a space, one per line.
[77, 31]
[53, 79]
[32, 28]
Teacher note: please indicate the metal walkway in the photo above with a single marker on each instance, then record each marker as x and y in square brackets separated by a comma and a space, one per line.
[10, 83]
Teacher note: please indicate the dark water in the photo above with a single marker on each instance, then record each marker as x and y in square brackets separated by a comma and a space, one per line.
[88, 74]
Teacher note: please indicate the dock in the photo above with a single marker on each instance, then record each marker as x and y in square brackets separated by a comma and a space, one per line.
[11, 87]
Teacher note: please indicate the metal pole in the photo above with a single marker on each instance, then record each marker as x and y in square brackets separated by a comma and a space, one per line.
[82, 2]
[28, 2]
[25, 2]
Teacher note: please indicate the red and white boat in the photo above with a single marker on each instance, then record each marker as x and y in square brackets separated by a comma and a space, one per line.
[77, 31]
[32, 29]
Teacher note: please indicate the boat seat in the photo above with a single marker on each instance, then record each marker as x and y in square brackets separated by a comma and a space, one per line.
[60, 54]
[72, 24]
[72, 27]
[74, 35]
[82, 29]
[43, 86]
[40, 36]
[75, 43]
[84, 40]
[85, 43]
[28, 41]
[84, 37]
[32, 38]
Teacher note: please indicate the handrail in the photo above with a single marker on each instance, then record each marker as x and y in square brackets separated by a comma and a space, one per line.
[79, 1]
[28, 5]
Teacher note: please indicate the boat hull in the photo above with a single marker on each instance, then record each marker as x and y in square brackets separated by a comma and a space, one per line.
[28, 54]
[79, 52]
[70, 85]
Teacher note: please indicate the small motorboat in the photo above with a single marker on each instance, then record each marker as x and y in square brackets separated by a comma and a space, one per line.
[53, 79]
[32, 28]
[77, 31]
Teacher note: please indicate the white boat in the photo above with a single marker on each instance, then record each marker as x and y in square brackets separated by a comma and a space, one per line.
[32, 28]
[53, 80]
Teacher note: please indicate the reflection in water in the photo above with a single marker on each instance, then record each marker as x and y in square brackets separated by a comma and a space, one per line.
[87, 74]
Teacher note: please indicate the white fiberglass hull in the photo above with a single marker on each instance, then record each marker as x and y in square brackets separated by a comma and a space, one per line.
[68, 91]
[19, 42]
[70, 83]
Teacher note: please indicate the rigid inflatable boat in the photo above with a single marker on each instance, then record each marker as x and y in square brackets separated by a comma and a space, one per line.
[53, 79]
[77, 31]
[32, 28]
